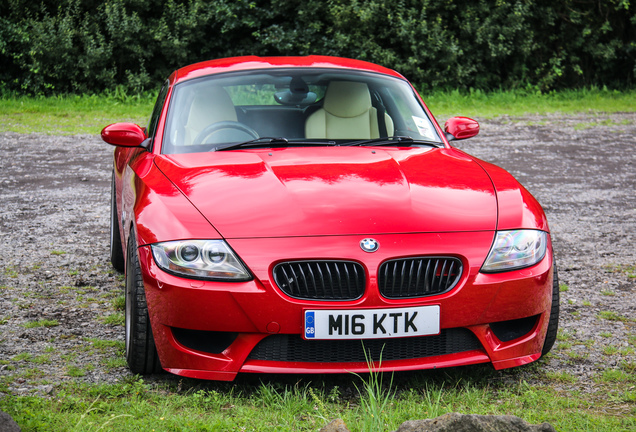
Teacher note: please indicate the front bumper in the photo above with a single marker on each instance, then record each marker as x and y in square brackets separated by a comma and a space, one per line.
[214, 330]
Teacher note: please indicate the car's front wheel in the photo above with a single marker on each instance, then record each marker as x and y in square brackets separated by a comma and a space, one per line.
[553, 323]
[116, 249]
[141, 352]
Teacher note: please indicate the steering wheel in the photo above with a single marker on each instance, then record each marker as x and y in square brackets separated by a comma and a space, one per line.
[214, 127]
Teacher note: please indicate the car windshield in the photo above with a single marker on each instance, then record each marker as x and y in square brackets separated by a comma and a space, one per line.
[294, 107]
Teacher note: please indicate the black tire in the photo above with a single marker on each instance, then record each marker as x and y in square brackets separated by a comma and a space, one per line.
[553, 323]
[116, 249]
[141, 352]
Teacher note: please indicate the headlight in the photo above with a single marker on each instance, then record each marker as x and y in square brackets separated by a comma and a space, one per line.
[515, 249]
[200, 259]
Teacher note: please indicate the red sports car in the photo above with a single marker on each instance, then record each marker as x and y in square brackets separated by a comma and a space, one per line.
[307, 214]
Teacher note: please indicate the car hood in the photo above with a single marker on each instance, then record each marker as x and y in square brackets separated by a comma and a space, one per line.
[335, 191]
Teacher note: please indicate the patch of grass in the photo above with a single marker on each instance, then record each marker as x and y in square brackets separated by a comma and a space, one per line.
[116, 319]
[70, 357]
[119, 303]
[488, 105]
[563, 335]
[58, 252]
[103, 345]
[42, 359]
[31, 373]
[562, 377]
[608, 293]
[375, 397]
[115, 363]
[4, 320]
[588, 343]
[629, 397]
[303, 405]
[75, 371]
[613, 316]
[85, 289]
[71, 114]
[23, 357]
[577, 356]
[563, 346]
[629, 366]
[610, 350]
[615, 376]
[628, 270]
[605, 334]
[41, 323]
[563, 288]
[11, 271]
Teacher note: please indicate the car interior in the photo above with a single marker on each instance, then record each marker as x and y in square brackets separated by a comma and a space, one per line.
[332, 107]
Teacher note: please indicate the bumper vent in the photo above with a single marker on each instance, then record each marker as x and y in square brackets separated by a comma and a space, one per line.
[293, 348]
[321, 280]
[207, 341]
[418, 277]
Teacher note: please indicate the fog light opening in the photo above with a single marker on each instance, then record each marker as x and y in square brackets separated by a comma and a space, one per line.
[514, 329]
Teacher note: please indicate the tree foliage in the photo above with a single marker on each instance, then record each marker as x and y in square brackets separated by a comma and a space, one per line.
[59, 46]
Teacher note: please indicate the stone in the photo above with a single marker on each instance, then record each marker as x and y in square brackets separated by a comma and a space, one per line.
[337, 425]
[455, 422]
[7, 424]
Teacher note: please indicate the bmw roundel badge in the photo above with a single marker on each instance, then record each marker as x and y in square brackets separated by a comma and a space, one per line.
[369, 245]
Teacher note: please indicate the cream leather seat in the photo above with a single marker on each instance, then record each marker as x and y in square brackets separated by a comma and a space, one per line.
[346, 113]
[210, 106]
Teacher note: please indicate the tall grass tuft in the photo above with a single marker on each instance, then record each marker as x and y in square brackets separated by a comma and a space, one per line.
[374, 398]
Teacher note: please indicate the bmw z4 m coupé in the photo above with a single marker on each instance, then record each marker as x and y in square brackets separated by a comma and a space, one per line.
[307, 215]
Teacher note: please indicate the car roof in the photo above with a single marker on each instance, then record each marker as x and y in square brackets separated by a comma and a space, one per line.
[234, 64]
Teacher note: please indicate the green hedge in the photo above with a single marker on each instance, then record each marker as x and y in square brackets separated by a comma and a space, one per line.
[61, 46]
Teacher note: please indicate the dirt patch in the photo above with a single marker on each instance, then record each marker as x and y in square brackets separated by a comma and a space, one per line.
[58, 294]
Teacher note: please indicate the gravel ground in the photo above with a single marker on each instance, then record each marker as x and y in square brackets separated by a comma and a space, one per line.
[58, 292]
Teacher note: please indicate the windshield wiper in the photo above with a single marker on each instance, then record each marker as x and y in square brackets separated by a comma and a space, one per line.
[272, 142]
[266, 141]
[394, 140]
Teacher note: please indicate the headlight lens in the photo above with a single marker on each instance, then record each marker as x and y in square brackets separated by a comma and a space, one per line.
[515, 249]
[200, 259]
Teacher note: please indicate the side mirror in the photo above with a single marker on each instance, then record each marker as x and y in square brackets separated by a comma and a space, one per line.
[458, 128]
[124, 134]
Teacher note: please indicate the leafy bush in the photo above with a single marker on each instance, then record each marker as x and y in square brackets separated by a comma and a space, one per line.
[89, 46]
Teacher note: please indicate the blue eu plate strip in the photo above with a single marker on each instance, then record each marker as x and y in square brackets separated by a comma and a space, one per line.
[310, 330]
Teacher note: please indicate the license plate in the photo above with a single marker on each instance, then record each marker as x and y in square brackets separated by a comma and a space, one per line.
[372, 323]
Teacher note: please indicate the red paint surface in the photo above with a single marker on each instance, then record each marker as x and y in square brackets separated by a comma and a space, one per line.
[274, 205]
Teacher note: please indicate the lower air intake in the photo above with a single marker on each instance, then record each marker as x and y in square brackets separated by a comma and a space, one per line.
[293, 348]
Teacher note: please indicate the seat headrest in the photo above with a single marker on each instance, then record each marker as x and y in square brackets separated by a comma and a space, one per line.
[211, 105]
[347, 99]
